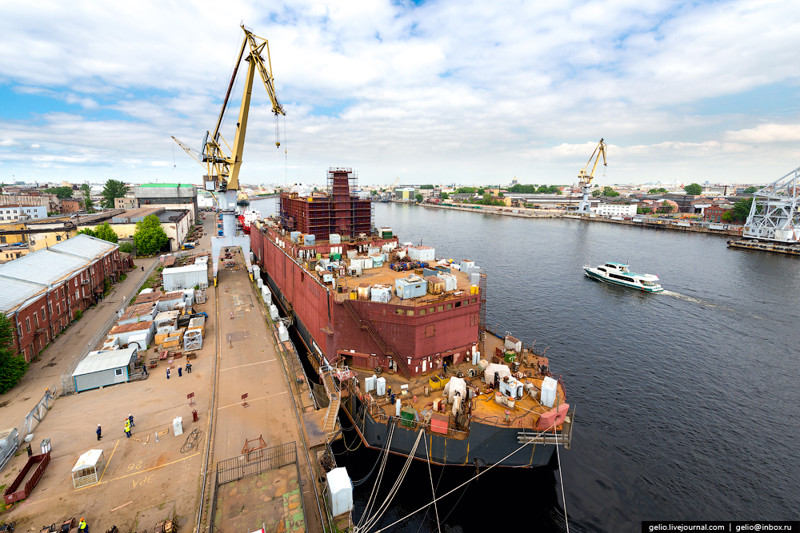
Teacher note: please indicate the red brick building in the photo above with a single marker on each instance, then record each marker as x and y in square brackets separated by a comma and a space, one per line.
[41, 292]
[714, 213]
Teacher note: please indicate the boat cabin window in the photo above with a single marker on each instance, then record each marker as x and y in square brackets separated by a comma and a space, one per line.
[623, 278]
[421, 312]
[410, 312]
[601, 269]
[648, 283]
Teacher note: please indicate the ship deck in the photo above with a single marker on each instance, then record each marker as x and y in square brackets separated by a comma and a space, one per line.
[420, 394]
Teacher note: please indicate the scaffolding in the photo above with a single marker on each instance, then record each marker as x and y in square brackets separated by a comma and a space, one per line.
[775, 211]
[338, 211]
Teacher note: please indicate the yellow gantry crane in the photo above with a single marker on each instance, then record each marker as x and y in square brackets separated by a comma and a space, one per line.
[224, 168]
[223, 160]
[585, 179]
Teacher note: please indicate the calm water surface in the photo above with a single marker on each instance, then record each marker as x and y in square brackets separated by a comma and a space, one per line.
[687, 401]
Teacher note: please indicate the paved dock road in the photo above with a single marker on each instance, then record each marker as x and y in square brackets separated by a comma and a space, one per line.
[249, 363]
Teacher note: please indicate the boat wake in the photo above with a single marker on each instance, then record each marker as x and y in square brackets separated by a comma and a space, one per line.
[687, 298]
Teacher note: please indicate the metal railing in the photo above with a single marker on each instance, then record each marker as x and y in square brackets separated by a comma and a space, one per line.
[270, 459]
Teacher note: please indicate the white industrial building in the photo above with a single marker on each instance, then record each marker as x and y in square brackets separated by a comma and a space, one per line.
[616, 210]
[24, 212]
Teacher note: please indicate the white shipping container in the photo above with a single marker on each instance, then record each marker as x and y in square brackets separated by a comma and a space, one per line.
[548, 391]
[185, 277]
[422, 253]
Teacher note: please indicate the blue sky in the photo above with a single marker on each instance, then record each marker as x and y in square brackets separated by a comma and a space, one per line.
[436, 91]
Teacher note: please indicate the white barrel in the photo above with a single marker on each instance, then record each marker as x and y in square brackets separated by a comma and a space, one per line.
[380, 386]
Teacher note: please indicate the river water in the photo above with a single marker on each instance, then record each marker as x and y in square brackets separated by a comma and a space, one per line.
[687, 401]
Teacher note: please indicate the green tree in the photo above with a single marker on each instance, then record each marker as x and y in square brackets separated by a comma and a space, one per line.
[596, 193]
[113, 189]
[643, 210]
[87, 231]
[426, 186]
[106, 232]
[465, 190]
[693, 189]
[149, 237]
[750, 190]
[86, 192]
[480, 191]
[740, 211]
[418, 197]
[444, 196]
[657, 191]
[60, 192]
[12, 367]
[126, 247]
[608, 192]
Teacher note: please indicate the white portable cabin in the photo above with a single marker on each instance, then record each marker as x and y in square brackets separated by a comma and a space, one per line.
[124, 332]
[104, 368]
[88, 469]
[185, 277]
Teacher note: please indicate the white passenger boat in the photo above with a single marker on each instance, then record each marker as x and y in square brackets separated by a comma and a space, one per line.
[618, 273]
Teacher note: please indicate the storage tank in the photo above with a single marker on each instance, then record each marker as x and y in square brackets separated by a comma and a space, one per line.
[273, 312]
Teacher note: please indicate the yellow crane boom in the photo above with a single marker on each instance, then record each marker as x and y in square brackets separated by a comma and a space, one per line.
[222, 167]
[585, 178]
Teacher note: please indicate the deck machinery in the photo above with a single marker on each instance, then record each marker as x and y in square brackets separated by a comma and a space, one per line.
[774, 214]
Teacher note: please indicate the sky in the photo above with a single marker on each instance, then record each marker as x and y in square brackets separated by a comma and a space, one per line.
[410, 92]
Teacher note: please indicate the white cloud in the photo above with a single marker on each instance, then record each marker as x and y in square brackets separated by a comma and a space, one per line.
[444, 91]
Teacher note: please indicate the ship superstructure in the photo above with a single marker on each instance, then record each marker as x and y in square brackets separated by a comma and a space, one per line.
[365, 304]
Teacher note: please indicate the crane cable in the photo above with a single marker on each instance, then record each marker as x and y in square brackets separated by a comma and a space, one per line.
[373, 493]
[373, 520]
[476, 476]
[433, 491]
[561, 478]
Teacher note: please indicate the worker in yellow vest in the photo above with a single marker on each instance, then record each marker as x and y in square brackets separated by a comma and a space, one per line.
[82, 527]
[128, 428]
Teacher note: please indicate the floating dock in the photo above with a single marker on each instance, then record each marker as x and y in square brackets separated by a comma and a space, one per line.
[765, 246]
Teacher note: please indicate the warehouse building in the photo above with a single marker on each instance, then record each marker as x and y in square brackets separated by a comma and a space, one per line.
[41, 292]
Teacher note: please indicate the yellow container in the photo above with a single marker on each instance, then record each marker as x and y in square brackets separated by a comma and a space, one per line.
[353, 295]
[437, 383]
[473, 289]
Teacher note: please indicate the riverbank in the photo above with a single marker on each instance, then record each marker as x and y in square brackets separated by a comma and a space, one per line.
[685, 225]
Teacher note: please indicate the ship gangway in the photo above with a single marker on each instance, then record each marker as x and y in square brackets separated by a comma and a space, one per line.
[328, 373]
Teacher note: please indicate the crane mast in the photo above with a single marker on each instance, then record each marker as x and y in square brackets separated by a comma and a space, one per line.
[585, 179]
[222, 160]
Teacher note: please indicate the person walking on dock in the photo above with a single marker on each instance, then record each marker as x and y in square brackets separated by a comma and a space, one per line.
[130, 419]
[444, 367]
[168, 373]
[82, 526]
[127, 428]
[180, 371]
[99, 432]
[188, 367]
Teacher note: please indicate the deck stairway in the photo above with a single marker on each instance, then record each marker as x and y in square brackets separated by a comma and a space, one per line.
[329, 423]
[378, 338]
